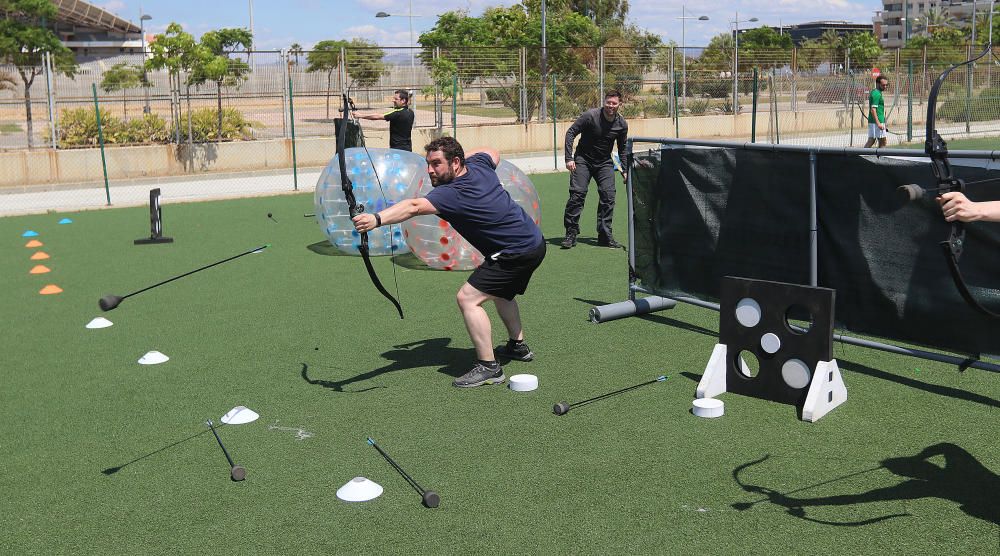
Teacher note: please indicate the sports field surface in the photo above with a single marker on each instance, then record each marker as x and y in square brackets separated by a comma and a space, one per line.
[102, 455]
[975, 144]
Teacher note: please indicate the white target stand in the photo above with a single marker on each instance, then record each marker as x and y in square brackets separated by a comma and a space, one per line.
[788, 330]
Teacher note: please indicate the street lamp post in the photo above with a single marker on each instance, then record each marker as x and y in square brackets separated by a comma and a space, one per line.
[253, 66]
[143, 18]
[974, 8]
[684, 81]
[736, 60]
[545, 69]
[906, 22]
[409, 15]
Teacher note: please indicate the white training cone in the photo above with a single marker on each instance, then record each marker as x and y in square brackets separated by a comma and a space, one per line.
[239, 415]
[523, 383]
[99, 322]
[359, 489]
[708, 407]
[153, 358]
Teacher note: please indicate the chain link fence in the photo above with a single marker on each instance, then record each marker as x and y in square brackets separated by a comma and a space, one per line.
[274, 113]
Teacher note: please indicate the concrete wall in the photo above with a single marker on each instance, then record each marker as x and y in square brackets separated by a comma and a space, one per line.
[42, 167]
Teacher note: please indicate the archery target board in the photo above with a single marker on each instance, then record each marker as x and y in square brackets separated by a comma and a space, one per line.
[775, 334]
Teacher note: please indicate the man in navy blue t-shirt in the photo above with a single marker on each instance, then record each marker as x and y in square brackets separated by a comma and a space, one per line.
[468, 194]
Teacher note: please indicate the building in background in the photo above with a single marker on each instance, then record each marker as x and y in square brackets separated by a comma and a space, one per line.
[93, 33]
[802, 32]
[900, 20]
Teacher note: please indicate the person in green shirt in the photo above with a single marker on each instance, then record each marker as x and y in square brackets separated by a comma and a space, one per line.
[876, 113]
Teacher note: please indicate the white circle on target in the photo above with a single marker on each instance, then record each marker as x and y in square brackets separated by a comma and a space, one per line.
[770, 342]
[748, 312]
[796, 373]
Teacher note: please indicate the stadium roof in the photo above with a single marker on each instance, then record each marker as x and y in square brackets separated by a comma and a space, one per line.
[83, 13]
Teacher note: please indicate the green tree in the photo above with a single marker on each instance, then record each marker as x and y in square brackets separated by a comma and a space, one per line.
[214, 64]
[325, 56]
[24, 40]
[122, 77]
[604, 13]
[863, 49]
[831, 47]
[364, 62]
[934, 18]
[765, 48]
[831, 39]
[629, 53]
[983, 28]
[813, 52]
[442, 72]
[504, 29]
[661, 59]
[944, 47]
[176, 51]
[717, 56]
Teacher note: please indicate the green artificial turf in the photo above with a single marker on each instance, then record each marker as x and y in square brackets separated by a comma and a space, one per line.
[102, 455]
[977, 144]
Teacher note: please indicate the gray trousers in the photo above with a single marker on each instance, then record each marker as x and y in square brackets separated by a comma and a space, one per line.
[579, 183]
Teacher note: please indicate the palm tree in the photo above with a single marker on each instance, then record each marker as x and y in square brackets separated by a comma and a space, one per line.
[831, 39]
[934, 17]
[295, 49]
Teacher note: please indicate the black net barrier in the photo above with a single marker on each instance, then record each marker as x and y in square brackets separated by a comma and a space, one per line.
[704, 213]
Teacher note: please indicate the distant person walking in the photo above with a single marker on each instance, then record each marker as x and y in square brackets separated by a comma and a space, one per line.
[876, 113]
[400, 120]
[599, 130]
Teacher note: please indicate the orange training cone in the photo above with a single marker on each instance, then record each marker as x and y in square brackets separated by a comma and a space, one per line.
[39, 269]
[40, 256]
[50, 289]
[33, 243]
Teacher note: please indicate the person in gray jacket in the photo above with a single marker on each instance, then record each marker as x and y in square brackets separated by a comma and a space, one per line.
[599, 129]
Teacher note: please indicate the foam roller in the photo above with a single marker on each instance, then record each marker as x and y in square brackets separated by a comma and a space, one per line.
[605, 313]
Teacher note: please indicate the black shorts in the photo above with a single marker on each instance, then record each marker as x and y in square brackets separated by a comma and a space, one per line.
[506, 275]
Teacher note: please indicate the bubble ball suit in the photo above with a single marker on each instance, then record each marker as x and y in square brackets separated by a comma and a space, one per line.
[399, 172]
[439, 246]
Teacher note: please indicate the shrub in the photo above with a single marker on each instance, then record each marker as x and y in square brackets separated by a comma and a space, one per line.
[656, 107]
[632, 109]
[496, 94]
[713, 88]
[150, 128]
[698, 107]
[983, 106]
[205, 125]
[567, 108]
[78, 127]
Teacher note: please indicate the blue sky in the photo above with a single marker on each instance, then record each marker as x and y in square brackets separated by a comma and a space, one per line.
[279, 23]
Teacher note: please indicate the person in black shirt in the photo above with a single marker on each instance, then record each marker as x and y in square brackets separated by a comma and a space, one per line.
[599, 130]
[467, 194]
[400, 120]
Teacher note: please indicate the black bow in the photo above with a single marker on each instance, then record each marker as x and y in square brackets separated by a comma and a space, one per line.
[937, 150]
[354, 208]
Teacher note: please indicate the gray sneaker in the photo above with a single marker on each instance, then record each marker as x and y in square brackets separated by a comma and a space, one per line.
[480, 375]
[515, 351]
